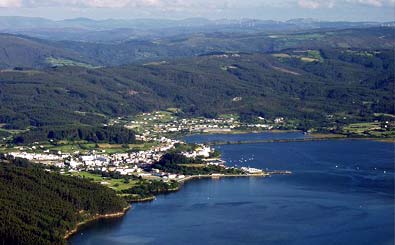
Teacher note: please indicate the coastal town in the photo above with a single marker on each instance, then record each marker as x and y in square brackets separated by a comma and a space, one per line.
[151, 125]
[156, 131]
[124, 164]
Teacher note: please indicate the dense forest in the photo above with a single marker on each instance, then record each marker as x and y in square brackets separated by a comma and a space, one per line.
[24, 51]
[148, 189]
[305, 76]
[354, 83]
[108, 134]
[175, 162]
[38, 207]
[68, 90]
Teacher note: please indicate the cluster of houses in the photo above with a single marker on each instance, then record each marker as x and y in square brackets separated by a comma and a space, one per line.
[181, 125]
[201, 151]
[132, 163]
[40, 157]
[152, 128]
[251, 170]
[152, 124]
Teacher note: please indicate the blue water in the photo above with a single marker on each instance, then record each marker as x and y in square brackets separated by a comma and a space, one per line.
[201, 138]
[340, 192]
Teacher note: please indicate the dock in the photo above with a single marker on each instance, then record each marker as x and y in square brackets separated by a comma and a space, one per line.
[218, 176]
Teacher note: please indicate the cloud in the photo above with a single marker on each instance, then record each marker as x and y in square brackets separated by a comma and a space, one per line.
[90, 3]
[81, 3]
[103, 3]
[161, 5]
[376, 3]
[309, 4]
[314, 4]
[10, 3]
[191, 4]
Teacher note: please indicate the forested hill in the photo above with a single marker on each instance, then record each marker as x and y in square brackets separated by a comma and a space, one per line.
[107, 134]
[296, 83]
[24, 51]
[38, 207]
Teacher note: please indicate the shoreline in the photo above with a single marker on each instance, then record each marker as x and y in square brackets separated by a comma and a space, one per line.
[246, 131]
[205, 176]
[145, 199]
[237, 131]
[330, 136]
[312, 138]
[263, 174]
[79, 225]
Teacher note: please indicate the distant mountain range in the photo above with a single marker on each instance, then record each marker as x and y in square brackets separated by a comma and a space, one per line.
[110, 30]
[83, 71]
[25, 51]
[298, 84]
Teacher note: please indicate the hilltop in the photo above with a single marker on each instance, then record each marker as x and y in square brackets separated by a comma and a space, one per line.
[26, 192]
[33, 52]
[296, 83]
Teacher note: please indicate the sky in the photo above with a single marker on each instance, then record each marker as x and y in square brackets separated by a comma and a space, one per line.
[332, 10]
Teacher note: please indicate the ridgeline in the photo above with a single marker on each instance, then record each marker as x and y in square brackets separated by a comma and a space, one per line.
[39, 207]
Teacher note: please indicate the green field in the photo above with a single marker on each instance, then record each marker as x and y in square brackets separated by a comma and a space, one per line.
[84, 147]
[229, 116]
[370, 129]
[66, 62]
[145, 121]
[10, 131]
[155, 117]
[116, 184]
[363, 53]
[302, 55]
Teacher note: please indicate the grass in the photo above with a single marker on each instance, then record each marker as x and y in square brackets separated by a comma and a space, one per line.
[71, 147]
[306, 36]
[116, 184]
[384, 114]
[6, 150]
[192, 165]
[362, 53]
[302, 55]
[307, 59]
[314, 54]
[361, 127]
[147, 121]
[154, 118]
[321, 135]
[109, 146]
[173, 110]
[299, 37]
[369, 129]
[12, 131]
[229, 116]
[66, 62]
[282, 55]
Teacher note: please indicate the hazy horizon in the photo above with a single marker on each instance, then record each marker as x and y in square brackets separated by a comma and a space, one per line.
[190, 18]
[329, 10]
